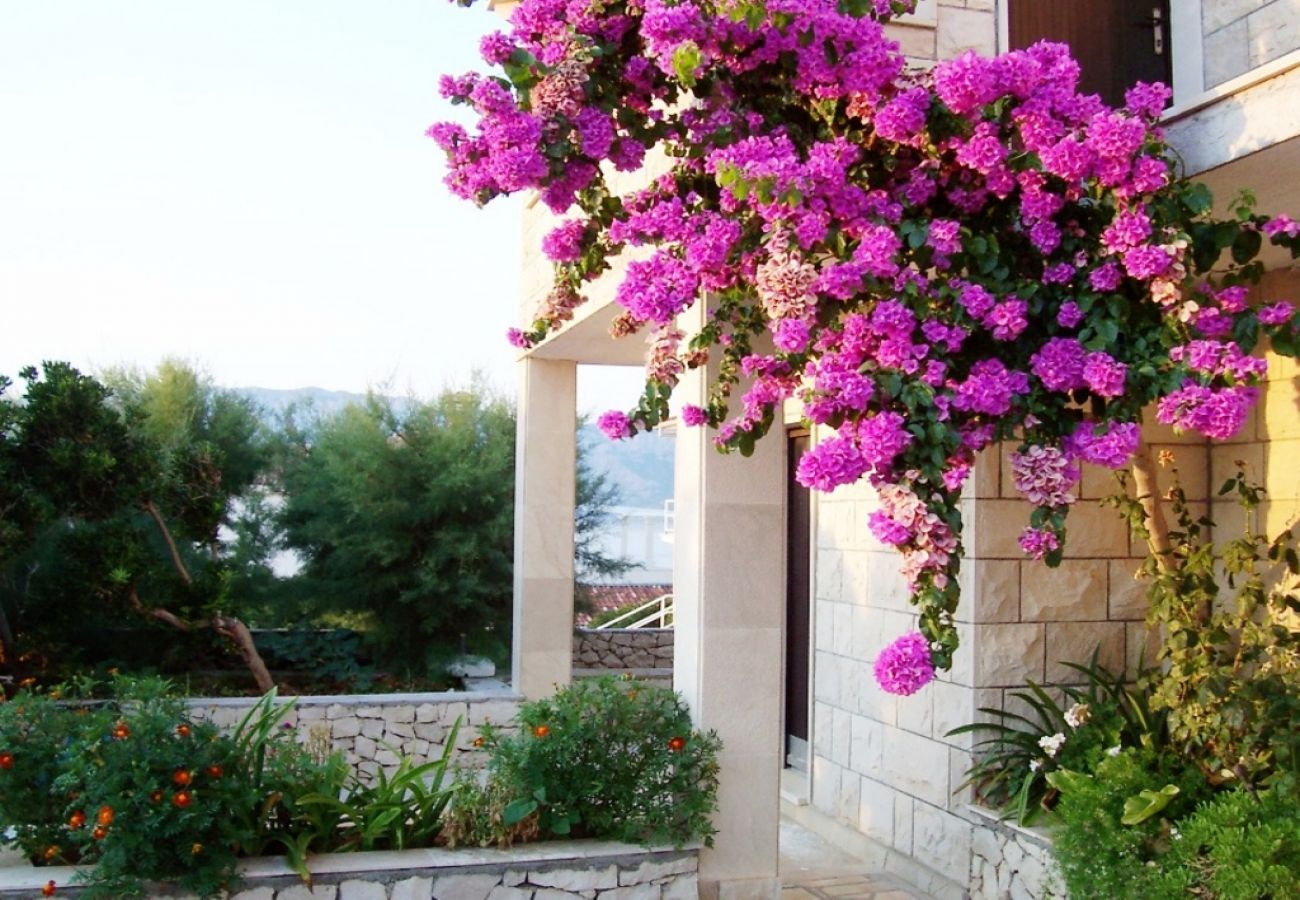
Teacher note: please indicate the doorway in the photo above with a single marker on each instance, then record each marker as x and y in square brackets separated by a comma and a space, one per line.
[1116, 42]
[798, 607]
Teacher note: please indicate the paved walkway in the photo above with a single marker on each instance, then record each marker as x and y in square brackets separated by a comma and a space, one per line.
[812, 869]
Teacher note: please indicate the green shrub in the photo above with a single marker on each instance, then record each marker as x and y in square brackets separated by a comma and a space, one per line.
[1238, 846]
[610, 759]
[1118, 822]
[477, 815]
[36, 732]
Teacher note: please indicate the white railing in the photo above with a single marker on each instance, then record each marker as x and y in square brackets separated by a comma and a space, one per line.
[657, 611]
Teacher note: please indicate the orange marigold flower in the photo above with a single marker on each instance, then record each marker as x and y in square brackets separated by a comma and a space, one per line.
[676, 744]
[541, 731]
[48, 890]
[121, 731]
[27, 682]
[99, 833]
[182, 799]
[105, 816]
[183, 730]
[215, 771]
[77, 819]
[478, 742]
[182, 777]
[155, 797]
[196, 848]
[51, 851]
[6, 760]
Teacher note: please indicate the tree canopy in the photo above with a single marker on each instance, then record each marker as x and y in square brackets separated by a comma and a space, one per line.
[929, 261]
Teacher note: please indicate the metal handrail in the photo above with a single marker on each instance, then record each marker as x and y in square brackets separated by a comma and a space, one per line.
[661, 607]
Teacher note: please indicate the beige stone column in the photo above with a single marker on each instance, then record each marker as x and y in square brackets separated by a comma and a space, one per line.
[545, 450]
[728, 586]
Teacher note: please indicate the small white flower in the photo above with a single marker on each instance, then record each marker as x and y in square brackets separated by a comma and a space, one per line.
[1175, 833]
[1035, 765]
[1078, 714]
[1113, 751]
[1051, 744]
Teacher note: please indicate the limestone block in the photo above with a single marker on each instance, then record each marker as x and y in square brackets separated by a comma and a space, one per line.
[1095, 532]
[1274, 30]
[500, 892]
[1005, 655]
[876, 810]
[311, 713]
[400, 729]
[366, 748]
[345, 727]
[915, 765]
[355, 889]
[575, 879]
[413, 889]
[1222, 12]
[470, 887]
[450, 712]
[261, 893]
[498, 712]
[942, 841]
[431, 732]
[990, 590]
[1075, 641]
[1074, 591]
[426, 712]
[316, 892]
[386, 757]
[1128, 600]
[1227, 53]
[372, 728]
[553, 894]
[866, 745]
[400, 713]
[370, 712]
[682, 887]
[960, 30]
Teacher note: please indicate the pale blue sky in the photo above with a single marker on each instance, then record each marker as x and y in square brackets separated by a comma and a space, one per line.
[245, 183]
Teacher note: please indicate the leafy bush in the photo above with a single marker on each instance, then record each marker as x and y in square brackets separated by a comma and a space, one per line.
[1118, 820]
[610, 759]
[1237, 846]
[1013, 763]
[477, 815]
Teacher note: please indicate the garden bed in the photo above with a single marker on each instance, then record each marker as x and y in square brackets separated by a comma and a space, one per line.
[551, 870]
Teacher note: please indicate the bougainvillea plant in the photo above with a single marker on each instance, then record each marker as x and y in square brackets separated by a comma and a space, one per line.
[929, 261]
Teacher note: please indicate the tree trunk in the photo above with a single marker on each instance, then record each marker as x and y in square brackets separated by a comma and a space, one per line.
[1147, 494]
[228, 627]
[235, 630]
[8, 646]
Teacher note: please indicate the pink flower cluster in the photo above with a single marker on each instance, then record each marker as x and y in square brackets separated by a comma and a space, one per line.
[929, 262]
[905, 666]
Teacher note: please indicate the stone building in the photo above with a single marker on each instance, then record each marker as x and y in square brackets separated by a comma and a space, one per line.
[784, 599]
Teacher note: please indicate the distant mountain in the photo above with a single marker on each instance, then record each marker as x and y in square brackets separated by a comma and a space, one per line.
[642, 467]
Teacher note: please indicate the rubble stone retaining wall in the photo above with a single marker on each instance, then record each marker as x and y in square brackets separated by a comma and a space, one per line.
[374, 731]
[570, 870]
[1008, 861]
[617, 649]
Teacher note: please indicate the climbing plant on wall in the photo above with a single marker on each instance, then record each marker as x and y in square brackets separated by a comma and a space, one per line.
[929, 261]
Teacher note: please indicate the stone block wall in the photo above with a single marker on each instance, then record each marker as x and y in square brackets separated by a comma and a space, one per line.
[1241, 35]
[620, 649]
[374, 731]
[1008, 861]
[574, 870]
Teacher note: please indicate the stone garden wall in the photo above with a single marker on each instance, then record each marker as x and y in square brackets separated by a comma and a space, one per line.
[570, 870]
[375, 730]
[1009, 861]
[619, 649]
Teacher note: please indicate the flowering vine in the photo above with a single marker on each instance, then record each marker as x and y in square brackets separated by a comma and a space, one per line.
[928, 262]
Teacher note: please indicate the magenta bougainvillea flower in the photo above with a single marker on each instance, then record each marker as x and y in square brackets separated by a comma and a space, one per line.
[927, 261]
[905, 666]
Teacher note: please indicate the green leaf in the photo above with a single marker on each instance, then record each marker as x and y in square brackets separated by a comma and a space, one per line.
[518, 810]
[1146, 804]
[686, 59]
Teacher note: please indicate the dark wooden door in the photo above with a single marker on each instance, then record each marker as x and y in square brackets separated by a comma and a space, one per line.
[1117, 42]
[798, 609]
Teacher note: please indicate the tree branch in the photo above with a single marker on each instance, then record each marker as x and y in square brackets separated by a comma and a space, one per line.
[234, 629]
[179, 563]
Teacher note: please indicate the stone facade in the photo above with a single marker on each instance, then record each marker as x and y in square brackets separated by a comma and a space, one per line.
[1241, 35]
[1008, 861]
[622, 649]
[571, 870]
[373, 731]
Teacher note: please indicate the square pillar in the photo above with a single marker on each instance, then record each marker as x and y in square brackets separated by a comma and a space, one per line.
[545, 460]
[729, 612]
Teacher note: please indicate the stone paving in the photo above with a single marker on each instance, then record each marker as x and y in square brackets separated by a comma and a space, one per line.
[812, 869]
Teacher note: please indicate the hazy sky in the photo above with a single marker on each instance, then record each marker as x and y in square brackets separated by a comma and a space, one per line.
[247, 184]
